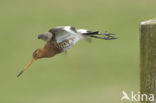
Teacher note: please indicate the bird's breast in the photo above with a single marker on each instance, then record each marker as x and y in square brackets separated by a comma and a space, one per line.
[66, 44]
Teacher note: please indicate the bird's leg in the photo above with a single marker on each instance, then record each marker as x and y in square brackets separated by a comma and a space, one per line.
[106, 36]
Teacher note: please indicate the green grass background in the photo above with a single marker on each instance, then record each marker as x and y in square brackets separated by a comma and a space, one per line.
[94, 72]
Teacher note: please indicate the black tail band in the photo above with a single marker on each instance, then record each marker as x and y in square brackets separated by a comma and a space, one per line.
[91, 33]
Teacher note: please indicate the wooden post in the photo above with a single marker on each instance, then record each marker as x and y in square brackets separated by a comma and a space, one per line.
[148, 59]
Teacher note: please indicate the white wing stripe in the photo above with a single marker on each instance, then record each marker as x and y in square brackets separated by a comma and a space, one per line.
[67, 28]
[65, 34]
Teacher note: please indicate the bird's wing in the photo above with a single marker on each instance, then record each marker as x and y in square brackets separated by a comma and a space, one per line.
[45, 36]
[62, 33]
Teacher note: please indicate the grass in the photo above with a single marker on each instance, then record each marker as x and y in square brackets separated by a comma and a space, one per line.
[94, 72]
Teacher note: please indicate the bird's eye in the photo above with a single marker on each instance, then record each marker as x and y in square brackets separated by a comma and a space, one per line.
[35, 53]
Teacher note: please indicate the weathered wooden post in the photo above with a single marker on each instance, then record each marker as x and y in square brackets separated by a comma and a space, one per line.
[148, 60]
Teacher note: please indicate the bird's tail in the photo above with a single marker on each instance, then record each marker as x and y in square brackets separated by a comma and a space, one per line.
[96, 34]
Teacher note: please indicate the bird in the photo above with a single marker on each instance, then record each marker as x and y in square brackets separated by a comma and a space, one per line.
[59, 39]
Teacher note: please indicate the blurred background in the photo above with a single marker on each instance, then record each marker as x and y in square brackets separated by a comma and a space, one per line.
[94, 72]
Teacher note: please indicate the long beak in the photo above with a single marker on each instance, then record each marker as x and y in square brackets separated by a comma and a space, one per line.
[26, 67]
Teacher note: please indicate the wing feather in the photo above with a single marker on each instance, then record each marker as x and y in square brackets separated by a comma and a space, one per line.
[63, 33]
[45, 36]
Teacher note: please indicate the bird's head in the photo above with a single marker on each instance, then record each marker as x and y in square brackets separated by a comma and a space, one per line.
[37, 54]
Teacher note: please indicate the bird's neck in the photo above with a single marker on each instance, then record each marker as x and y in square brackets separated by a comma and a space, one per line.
[50, 49]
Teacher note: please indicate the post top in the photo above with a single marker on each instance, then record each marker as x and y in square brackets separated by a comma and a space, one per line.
[149, 22]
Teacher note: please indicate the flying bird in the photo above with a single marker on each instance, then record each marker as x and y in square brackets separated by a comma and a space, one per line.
[60, 39]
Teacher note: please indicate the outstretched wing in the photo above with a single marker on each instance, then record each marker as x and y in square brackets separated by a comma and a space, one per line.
[62, 33]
